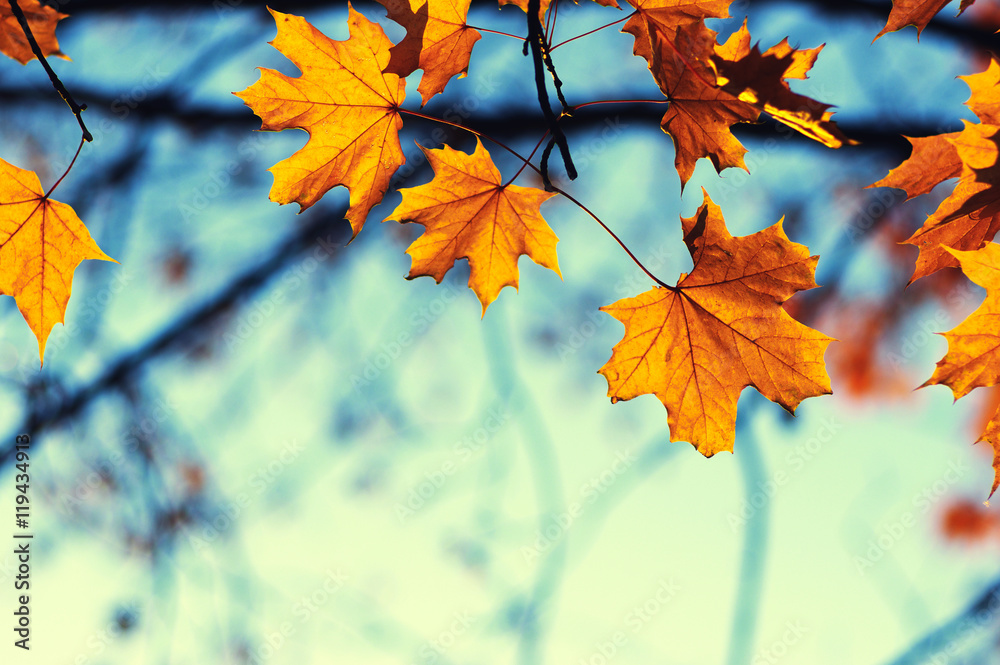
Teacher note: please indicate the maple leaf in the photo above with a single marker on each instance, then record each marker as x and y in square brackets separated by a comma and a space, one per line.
[712, 87]
[721, 329]
[42, 20]
[437, 40]
[991, 435]
[349, 107]
[917, 13]
[933, 159]
[468, 213]
[700, 113]
[968, 218]
[973, 358]
[41, 243]
[759, 80]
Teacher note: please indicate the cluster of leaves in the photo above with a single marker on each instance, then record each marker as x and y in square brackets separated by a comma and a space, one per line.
[42, 241]
[697, 344]
[960, 233]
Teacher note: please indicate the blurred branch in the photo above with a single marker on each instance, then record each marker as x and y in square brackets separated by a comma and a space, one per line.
[173, 337]
[750, 588]
[510, 122]
[944, 639]
[962, 31]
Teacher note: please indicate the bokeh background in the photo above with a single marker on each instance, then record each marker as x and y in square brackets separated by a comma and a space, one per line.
[254, 444]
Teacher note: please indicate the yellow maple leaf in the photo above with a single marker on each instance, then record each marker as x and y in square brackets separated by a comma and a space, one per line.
[437, 41]
[346, 103]
[697, 345]
[991, 435]
[970, 216]
[973, 358]
[41, 243]
[467, 212]
[42, 20]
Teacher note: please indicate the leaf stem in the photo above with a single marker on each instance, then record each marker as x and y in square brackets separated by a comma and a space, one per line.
[495, 32]
[527, 162]
[620, 101]
[468, 129]
[56, 83]
[550, 25]
[66, 172]
[553, 188]
[617, 239]
[590, 32]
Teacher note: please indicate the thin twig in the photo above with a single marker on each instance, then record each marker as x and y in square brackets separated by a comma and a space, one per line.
[552, 188]
[617, 239]
[60, 88]
[590, 32]
[66, 172]
[539, 51]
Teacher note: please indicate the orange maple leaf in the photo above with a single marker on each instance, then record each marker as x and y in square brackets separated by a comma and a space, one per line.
[759, 79]
[349, 107]
[700, 113]
[968, 218]
[915, 12]
[713, 86]
[973, 358]
[721, 329]
[933, 159]
[41, 243]
[437, 40]
[991, 435]
[42, 20]
[468, 213]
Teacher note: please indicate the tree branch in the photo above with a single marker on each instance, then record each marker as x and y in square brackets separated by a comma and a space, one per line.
[56, 83]
[536, 40]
